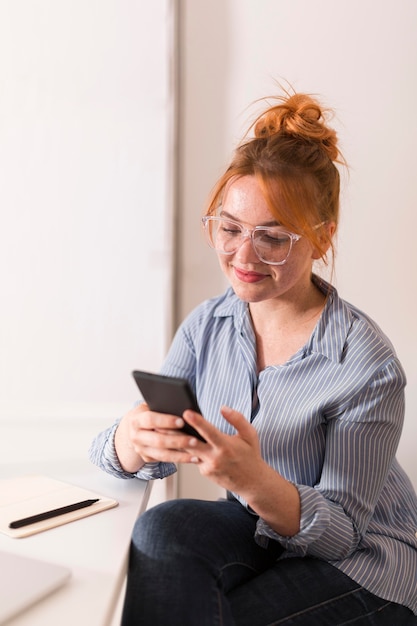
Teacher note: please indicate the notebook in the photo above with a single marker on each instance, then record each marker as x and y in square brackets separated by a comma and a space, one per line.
[27, 496]
[25, 581]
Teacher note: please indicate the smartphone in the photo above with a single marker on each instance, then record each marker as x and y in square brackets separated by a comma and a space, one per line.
[167, 394]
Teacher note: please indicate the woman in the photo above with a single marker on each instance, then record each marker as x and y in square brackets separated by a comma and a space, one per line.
[303, 403]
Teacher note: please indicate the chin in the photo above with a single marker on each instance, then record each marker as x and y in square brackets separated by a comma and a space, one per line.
[250, 295]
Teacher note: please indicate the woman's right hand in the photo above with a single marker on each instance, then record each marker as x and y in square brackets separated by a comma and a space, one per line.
[144, 436]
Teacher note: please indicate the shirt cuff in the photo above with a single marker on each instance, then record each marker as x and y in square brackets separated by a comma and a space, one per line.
[315, 519]
[103, 454]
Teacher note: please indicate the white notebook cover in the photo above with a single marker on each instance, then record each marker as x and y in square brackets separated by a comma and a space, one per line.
[25, 496]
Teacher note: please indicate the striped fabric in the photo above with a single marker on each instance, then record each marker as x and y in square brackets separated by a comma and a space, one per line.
[329, 420]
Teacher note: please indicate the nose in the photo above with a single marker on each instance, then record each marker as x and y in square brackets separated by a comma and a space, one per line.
[246, 253]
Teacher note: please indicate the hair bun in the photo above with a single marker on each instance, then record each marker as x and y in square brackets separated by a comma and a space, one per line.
[298, 115]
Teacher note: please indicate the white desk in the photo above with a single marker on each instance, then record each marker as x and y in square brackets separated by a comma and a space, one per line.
[94, 548]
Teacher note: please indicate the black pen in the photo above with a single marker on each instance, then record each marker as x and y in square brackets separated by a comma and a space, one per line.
[40, 517]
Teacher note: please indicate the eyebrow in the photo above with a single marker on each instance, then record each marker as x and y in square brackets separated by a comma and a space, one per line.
[231, 217]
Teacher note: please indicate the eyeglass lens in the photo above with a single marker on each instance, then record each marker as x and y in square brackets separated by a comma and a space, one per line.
[272, 245]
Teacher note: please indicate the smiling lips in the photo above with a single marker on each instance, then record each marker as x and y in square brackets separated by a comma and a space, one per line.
[248, 277]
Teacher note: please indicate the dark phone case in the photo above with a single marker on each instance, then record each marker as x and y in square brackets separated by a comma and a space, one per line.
[167, 394]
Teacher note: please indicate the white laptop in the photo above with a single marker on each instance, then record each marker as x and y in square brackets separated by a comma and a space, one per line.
[24, 581]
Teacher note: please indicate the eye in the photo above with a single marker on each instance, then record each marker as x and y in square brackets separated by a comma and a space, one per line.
[273, 238]
[229, 228]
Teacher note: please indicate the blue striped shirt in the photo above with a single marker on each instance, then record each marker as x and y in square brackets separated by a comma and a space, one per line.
[329, 420]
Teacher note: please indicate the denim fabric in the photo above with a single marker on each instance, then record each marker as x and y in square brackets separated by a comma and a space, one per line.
[195, 563]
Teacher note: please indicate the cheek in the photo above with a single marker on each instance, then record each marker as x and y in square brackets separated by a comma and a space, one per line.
[301, 256]
[297, 266]
[223, 262]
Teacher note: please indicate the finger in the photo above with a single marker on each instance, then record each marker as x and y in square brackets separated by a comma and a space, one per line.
[164, 446]
[239, 422]
[150, 420]
[210, 433]
[161, 438]
[165, 455]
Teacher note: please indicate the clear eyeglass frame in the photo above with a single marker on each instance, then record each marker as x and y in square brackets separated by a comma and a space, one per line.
[254, 234]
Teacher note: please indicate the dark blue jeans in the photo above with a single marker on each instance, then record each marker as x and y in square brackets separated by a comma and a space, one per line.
[195, 563]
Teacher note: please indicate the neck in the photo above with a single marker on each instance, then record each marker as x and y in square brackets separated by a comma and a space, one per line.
[289, 311]
[282, 327]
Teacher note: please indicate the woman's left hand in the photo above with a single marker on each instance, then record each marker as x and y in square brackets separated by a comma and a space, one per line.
[232, 461]
[235, 463]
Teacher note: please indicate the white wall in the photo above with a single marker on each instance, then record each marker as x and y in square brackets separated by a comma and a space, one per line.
[86, 141]
[360, 57]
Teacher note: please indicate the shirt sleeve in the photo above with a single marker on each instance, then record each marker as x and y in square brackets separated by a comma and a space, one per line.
[180, 361]
[103, 453]
[361, 443]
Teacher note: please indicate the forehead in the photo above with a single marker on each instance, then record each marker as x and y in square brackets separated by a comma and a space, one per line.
[244, 201]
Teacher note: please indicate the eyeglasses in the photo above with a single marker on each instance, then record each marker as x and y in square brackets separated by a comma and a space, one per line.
[272, 244]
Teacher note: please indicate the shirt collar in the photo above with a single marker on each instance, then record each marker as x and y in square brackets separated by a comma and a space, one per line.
[330, 333]
[329, 336]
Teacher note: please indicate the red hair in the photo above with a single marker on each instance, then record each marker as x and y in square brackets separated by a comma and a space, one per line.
[292, 155]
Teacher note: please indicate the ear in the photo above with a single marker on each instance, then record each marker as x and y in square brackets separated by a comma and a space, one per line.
[327, 230]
